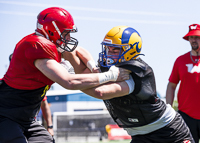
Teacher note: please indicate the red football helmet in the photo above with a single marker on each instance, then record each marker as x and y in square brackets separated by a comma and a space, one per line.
[52, 23]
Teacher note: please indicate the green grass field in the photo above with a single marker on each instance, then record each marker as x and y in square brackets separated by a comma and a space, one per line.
[117, 141]
[122, 141]
[113, 141]
[104, 141]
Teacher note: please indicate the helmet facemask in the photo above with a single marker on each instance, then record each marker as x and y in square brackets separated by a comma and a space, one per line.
[67, 44]
[106, 59]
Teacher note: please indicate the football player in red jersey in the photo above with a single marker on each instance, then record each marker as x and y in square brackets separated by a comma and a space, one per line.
[46, 112]
[34, 67]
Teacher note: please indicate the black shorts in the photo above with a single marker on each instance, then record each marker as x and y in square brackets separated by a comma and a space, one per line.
[193, 124]
[175, 132]
[12, 132]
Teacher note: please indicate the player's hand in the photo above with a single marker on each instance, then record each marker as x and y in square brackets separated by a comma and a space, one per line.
[119, 74]
[50, 131]
[66, 64]
[96, 70]
[123, 74]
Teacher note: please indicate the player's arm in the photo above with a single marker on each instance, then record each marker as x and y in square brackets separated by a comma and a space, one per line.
[171, 87]
[81, 60]
[46, 112]
[57, 73]
[112, 90]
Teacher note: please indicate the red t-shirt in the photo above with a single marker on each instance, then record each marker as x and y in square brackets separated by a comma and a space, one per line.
[22, 73]
[188, 73]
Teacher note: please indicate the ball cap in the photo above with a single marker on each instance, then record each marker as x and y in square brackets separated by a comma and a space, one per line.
[194, 30]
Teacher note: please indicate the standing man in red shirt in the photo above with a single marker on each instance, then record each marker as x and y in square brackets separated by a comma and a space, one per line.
[34, 67]
[186, 70]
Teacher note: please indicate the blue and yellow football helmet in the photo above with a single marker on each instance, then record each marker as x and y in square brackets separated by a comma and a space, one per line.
[127, 39]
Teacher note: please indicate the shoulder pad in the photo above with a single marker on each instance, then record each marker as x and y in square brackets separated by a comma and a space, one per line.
[135, 66]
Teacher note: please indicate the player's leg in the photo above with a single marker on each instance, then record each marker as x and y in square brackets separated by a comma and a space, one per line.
[11, 132]
[175, 132]
[140, 139]
[183, 131]
[37, 133]
[192, 124]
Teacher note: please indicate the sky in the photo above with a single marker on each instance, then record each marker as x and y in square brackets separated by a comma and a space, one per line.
[161, 24]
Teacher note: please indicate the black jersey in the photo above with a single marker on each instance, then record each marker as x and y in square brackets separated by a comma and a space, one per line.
[142, 106]
[20, 105]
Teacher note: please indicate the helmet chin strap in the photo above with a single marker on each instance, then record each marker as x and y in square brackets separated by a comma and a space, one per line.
[60, 49]
[39, 34]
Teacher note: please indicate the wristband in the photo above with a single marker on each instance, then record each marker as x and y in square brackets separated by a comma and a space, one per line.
[110, 75]
[50, 127]
[131, 84]
[91, 64]
[114, 72]
[66, 64]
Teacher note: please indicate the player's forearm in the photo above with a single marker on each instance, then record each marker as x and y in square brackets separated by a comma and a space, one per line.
[81, 81]
[46, 112]
[170, 93]
[81, 60]
[85, 81]
[84, 55]
[48, 117]
[86, 58]
[57, 73]
[108, 90]
[169, 98]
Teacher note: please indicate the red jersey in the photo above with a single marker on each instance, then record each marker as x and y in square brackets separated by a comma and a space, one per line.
[22, 73]
[188, 73]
